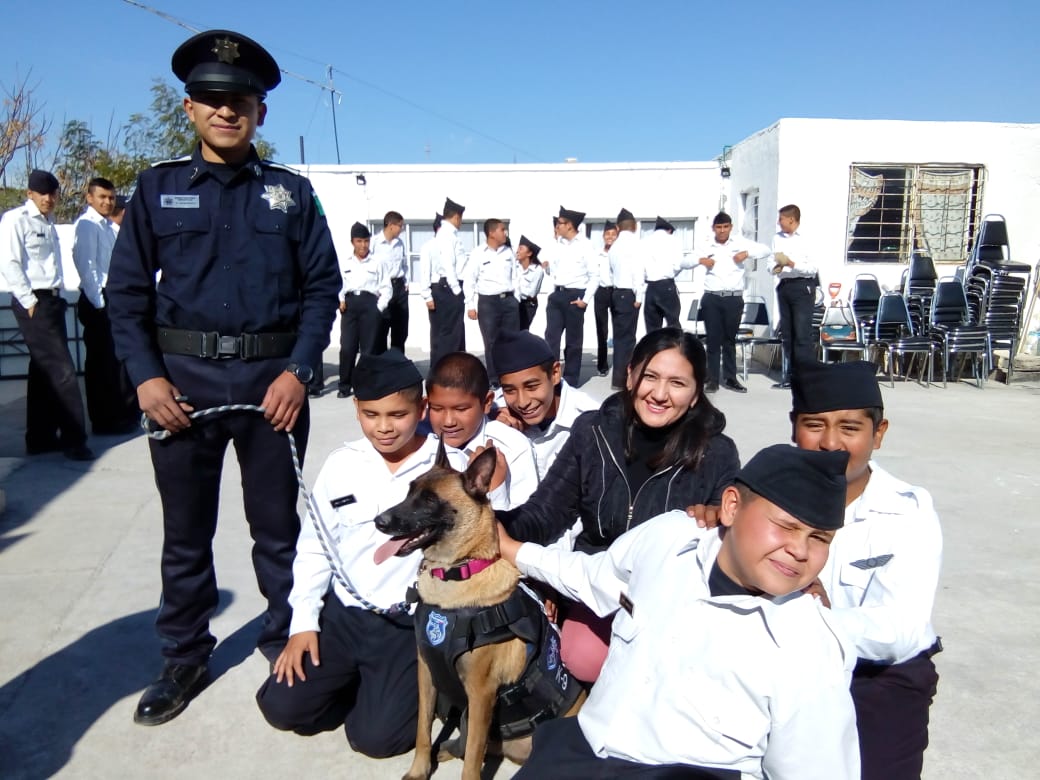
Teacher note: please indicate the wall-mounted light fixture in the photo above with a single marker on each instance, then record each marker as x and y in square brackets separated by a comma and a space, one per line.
[725, 172]
[360, 179]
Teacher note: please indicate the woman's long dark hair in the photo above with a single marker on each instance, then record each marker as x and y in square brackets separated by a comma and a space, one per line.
[689, 440]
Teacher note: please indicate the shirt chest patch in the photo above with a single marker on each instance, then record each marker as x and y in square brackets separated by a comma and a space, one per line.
[872, 563]
[278, 198]
[179, 201]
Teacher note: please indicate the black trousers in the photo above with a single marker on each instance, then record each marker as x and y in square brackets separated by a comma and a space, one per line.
[561, 316]
[449, 335]
[601, 307]
[495, 313]
[560, 751]
[892, 716]
[111, 398]
[358, 333]
[53, 406]
[367, 683]
[626, 320]
[721, 320]
[188, 468]
[795, 298]
[661, 303]
[528, 308]
[395, 319]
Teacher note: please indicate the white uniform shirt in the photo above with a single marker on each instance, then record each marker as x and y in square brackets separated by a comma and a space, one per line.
[522, 478]
[606, 279]
[883, 569]
[627, 264]
[663, 256]
[355, 470]
[92, 253]
[731, 682]
[794, 246]
[490, 272]
[391, 254]
[529, 281]
[367, 275]
[450, 260]
[575, 264]
[30, 257]
[548, 443]
[727, 274]
[427, 262]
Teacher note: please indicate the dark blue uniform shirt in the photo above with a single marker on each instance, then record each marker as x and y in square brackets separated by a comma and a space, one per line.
[240, 250]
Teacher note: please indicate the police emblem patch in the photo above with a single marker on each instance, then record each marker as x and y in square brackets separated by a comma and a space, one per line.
[552, 656]
[436, 628]
[226, 50]
[278, 197]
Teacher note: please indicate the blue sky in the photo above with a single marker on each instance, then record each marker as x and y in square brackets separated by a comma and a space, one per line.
[533, 81]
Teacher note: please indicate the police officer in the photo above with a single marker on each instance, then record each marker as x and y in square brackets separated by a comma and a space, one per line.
[240, 315]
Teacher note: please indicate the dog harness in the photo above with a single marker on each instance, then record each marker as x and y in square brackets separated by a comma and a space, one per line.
[545, 690]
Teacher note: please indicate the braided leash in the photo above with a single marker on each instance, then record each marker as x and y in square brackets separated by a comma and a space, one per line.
[320, 528]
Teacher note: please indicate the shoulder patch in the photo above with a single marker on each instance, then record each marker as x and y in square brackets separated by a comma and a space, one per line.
[279, 167]
[173, 161]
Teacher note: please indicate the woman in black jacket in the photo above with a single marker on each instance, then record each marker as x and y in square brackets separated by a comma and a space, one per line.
[655, 446]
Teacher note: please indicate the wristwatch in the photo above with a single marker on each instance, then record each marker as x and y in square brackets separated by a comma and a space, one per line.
[302, 373]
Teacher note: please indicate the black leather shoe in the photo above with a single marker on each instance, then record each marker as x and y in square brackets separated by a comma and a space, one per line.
[783, 384]
[344, 393]
[79, 452]
[711, 386]
[167, 697]
[603, 371]
[735, 386]
[314, 392]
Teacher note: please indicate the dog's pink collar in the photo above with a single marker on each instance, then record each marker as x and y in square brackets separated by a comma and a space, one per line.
[463, 571]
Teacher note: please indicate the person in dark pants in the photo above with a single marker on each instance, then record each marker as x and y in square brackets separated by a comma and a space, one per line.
[663, 260]
[530, 283]
[574, 271]
[30, 260]
[389, 249]
[362, 300]
[795, 293]
[240, 315]
[449, 332]
[111, 399]
[492, 289]
[627, 274]
[603, 301]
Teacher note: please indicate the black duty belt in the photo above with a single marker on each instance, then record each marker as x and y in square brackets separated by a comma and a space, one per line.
[725, 293]
[560, 288]
[212, 345]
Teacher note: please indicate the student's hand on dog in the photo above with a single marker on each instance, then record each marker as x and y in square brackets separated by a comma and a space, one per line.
[507, 545]
[501, 467]
[707, 516]
[815, 588]
[289, 664]
[506, 418]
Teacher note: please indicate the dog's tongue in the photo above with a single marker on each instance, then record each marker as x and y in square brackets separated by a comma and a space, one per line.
[389, 549]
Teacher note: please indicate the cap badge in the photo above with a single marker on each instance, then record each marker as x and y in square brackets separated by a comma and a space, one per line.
[226, 50]
[278, 197]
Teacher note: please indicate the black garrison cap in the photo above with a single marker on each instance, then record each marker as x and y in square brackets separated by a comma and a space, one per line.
[625, 215]
[451, 208]
[225, 61]
[574, 217]
[515, 350]
[437, 220]
[807, 484]
[825, 387]
[357, 230]
[663, 224]
[531, 245]
[43, 182]
[377, 376]
[608, 225]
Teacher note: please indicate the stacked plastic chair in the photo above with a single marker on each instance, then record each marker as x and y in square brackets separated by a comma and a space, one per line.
[895, 337]
[918, 289]
[955, 335]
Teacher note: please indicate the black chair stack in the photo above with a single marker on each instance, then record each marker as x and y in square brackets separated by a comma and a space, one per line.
[918, 289]
[954, 334]
[895, 337]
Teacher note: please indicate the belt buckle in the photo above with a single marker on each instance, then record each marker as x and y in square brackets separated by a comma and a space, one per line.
[227, 346]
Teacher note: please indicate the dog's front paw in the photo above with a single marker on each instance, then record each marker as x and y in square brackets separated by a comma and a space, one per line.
[418, 771]
[453, 748]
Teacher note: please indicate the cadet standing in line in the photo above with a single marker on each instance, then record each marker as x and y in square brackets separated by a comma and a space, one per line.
[241, 315]
[602, 304]
[795, 293]
[388, 248]
[30, 260]
[449, 335]
[491, 289]
[424, 280]
[663, 258]
[627, 273]
[530, 284]
[574, 272]
[363, 300]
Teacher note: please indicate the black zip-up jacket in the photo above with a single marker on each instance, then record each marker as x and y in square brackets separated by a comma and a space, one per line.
[588, 480]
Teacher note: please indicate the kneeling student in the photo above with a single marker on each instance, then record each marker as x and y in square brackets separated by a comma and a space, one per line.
[883, 568]
[718, 663]
[345, 665]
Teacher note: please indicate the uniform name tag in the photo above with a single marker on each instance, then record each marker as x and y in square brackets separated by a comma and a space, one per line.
[179, 201]
[626, 604]
[343, 501]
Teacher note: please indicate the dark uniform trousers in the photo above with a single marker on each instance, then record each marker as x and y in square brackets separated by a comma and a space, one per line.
[449, 335]
[722, 314]
[661, 303]
[795, 298]
[626, 320]
[358, 332]
[892, 716]
[395, 319]
[495, 313]
[561, 314]
[561, 752]
[111, 398]
[601, 306]
[187, 474]
[367, 683]
[53, 406]
[528, 308]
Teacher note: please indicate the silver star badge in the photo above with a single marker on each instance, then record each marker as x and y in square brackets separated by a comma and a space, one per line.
[226, 50]
[279, 197]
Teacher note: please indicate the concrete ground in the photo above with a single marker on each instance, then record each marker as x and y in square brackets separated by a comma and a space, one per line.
[79, 578]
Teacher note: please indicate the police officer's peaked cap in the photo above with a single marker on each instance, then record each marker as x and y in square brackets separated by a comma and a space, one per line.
[807, 484]
[531, 245]
[225, 61]
[625, 216]
[43, 182]
[357, 230]
[377, 376]
[574, 217]
[451, 208]
[517, 350]
[663, 224]
[826, 387]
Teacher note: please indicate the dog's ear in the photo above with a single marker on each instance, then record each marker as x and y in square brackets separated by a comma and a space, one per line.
[477, 478]
[442, 457]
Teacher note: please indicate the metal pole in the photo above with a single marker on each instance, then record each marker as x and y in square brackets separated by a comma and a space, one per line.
[335, 129]
[303, 160]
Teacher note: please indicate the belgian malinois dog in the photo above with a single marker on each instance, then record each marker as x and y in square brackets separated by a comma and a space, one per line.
[448, 515]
